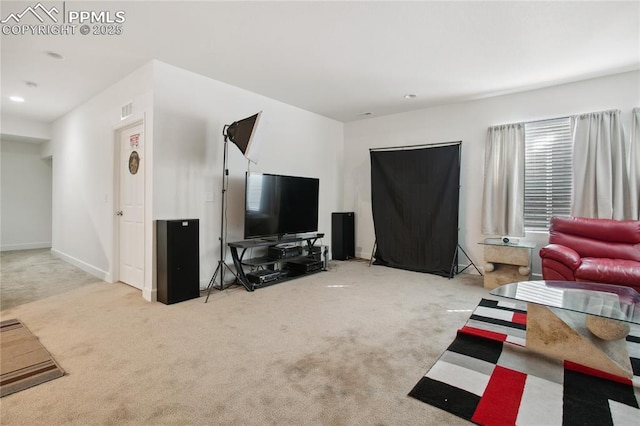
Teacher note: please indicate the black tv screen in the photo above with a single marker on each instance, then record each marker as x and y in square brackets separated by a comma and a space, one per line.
[277, 205]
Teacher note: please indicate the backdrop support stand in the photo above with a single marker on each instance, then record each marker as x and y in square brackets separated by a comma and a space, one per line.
[419, 224]
[455, 268]
[373, 252]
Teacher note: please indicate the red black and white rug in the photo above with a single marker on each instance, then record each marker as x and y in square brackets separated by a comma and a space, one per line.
[488, 377]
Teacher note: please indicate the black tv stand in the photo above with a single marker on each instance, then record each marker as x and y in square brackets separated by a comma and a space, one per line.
[272, 270]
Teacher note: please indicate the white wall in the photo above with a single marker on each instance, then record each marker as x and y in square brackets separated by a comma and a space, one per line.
[469, 122]
[17, 126]
[25, 204]
[184, 114]
[82, 146]
[190, 111]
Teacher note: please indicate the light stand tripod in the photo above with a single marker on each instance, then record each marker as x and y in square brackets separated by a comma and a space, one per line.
[221, 263]
[243, 134]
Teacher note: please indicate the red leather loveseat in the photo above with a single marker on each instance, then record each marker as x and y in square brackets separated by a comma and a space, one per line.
[594, 250]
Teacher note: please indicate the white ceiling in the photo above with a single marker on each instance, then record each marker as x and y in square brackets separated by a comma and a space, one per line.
[338, 59]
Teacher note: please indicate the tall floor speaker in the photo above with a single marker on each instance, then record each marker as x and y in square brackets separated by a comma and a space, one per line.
[343, 243]
[178, 261]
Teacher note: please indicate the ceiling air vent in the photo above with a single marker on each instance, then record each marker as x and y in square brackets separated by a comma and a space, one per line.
[127, 111]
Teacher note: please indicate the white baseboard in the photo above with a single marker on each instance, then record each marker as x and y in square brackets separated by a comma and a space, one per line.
[96, 272]
[25, 246]
[204, 285]
[150, 295]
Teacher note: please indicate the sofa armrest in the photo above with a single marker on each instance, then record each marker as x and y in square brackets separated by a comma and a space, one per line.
[563, 254]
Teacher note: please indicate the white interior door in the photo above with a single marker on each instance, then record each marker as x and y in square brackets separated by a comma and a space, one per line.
[131, 206]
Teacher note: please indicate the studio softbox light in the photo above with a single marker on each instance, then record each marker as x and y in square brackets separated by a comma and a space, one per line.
[246, 134]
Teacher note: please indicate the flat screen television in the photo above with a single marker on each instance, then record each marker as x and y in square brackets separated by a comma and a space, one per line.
[277, 205]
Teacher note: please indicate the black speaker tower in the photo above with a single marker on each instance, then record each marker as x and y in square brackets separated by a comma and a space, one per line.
[178, 262]
[343, 236]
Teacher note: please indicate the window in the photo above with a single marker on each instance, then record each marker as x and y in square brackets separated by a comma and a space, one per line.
[548, 172]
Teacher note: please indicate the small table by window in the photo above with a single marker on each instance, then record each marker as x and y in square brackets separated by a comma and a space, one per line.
[506, 263]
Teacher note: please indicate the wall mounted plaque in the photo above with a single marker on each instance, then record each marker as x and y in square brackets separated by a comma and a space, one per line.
[134, 162]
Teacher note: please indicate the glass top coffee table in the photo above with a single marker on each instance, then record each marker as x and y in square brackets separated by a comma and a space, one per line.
[584, 323]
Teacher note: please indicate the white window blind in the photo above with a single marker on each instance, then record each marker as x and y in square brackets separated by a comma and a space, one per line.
[548, 172]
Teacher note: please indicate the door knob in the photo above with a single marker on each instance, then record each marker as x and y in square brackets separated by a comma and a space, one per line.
[119, 213]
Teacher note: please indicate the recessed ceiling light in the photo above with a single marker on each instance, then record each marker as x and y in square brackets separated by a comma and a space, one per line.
[16, 98]
[55, 55]
[409, 96]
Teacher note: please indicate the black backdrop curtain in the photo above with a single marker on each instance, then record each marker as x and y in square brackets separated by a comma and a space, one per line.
[415, 198]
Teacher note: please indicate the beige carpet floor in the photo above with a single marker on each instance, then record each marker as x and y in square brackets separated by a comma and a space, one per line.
[342, 347]
[29, 275]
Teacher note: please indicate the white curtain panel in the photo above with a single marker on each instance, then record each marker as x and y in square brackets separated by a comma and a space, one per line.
[503, 194]
[634, 165]
[600, 178]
